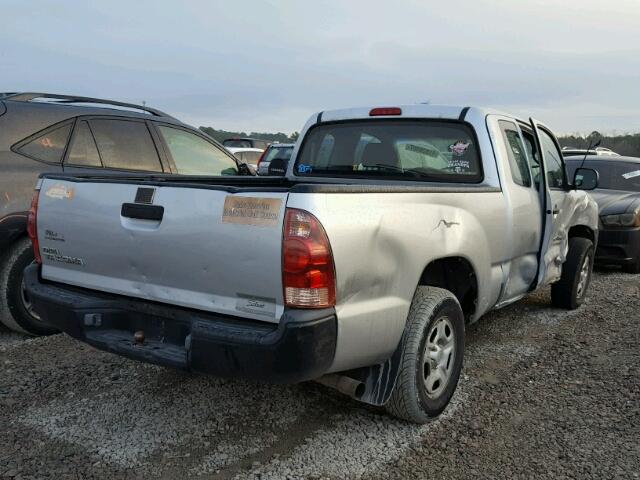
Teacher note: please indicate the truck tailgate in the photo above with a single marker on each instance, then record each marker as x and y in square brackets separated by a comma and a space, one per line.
[198, 246]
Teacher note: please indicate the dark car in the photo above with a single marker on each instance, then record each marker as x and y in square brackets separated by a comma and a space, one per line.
[246, 142]
[58, 133]
[618, 197]
[275, 159]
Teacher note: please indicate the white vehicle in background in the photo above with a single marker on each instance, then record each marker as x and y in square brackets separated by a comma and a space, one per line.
[249, 156]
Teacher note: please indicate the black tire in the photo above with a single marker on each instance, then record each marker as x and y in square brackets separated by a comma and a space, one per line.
[14, 312]
[410, 399]
[633, 267]
[567, 292]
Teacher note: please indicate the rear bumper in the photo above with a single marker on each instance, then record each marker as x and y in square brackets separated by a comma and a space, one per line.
[301, 347]
[618, 247]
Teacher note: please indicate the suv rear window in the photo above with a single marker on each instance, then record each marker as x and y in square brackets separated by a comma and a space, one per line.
[422, 150]
[49, 146]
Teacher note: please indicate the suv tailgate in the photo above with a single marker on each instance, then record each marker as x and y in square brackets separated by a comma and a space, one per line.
[197, 246]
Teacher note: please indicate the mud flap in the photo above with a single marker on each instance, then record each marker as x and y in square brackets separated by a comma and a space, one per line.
[379, 379]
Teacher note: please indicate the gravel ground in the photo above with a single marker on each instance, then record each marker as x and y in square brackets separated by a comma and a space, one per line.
[544, 393]
[7, 337]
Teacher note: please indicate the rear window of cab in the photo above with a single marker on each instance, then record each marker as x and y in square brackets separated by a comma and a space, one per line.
[421, 150]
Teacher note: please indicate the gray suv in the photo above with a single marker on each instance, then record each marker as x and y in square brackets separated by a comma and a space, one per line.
[58, 133]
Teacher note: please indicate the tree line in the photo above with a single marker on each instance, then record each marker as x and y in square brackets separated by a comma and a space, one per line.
[628, 144]
[221, 135]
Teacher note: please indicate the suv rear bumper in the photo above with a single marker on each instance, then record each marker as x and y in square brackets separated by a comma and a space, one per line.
[618, 247]
[301, 347]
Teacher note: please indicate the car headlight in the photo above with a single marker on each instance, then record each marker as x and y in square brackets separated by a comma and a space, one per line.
[621, 220]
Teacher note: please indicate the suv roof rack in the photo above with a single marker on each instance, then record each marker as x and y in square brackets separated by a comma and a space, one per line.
[67, 99]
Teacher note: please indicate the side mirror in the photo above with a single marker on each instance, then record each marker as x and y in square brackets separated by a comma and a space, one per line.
[585, 179]
[278, 167]
[245, 169]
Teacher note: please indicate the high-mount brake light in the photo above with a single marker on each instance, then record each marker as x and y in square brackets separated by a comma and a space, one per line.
[381, 111]
[308, 273]
[32, 226]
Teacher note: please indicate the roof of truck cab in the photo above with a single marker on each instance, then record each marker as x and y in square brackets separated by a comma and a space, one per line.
[448, 112]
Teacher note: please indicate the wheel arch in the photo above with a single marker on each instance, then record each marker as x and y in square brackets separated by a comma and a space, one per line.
[12, 228]
[582, 231]
[457, 275]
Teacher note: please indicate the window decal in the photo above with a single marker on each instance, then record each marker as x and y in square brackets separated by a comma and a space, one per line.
[459, 148]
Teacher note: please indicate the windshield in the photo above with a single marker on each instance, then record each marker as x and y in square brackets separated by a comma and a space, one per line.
[392, 149]
[613, 175]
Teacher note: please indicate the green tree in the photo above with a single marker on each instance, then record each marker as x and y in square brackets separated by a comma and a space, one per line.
[221, 135]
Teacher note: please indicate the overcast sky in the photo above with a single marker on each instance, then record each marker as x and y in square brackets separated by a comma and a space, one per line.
[266, 66]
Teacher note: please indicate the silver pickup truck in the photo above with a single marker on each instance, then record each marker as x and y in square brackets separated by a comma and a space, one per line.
[393, 228]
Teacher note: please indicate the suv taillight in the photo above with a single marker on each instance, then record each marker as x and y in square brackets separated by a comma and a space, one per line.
[308, 274]
[32, 226]
[262, 157]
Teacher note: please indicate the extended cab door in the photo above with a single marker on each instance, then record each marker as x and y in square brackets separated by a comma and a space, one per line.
[523, 221]
[557, 205]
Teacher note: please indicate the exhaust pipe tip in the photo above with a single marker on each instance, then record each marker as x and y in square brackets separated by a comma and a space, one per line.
[345, 385]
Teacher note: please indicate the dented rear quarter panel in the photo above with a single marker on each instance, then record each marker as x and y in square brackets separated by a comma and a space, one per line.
[381, 244]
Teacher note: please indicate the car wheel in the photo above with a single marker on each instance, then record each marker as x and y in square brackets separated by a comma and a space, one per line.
[569, 292]
[633, 267]
[433, 350]
[16, 311]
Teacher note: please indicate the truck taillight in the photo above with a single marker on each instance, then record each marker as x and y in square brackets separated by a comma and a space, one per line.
[308, 273]
[32, 226]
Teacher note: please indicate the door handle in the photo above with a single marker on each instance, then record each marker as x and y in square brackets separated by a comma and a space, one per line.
[142, 212]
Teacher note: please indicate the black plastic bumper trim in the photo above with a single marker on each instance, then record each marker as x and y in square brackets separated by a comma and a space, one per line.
[300, 347]
[619, 246]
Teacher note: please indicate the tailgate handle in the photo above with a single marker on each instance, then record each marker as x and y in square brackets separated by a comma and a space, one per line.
[143, 212]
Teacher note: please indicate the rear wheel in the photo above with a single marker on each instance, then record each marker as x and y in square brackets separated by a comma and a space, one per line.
[569, 292]
[433, 350]
[16, 311]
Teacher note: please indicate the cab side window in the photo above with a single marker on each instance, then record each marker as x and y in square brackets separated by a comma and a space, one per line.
[516, 153]
[533, 156]
[125, 144]
[553, 161]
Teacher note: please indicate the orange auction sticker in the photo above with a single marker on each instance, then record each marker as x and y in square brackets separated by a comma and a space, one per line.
[261, 212]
